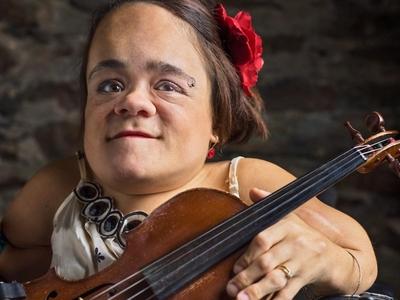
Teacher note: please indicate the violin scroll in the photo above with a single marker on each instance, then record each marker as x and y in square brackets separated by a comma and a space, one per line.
[382, 147]
[375, 122]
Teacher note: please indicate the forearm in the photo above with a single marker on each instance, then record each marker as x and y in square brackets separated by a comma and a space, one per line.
[348, 273]
[24, 264]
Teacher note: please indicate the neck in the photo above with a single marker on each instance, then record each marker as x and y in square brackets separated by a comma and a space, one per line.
[127, 198]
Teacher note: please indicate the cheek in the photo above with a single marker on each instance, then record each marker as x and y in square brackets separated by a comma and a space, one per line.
[189, 121]
[94, 124]
[90, 124]
[96, 114]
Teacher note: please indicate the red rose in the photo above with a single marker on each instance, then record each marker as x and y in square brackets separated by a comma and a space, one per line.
[243, 44]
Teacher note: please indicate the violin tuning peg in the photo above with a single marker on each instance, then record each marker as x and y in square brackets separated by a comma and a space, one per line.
[375, 122]
[354, 133]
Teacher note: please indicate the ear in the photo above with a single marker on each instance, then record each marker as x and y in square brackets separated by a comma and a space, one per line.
[214, 139]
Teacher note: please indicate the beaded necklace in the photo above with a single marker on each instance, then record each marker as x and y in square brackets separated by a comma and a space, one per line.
[99, 209]
[96, 208]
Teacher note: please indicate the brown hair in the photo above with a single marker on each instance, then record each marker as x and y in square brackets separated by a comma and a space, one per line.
[236, 116]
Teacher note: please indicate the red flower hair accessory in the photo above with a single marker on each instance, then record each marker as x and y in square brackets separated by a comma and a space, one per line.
[243, 45]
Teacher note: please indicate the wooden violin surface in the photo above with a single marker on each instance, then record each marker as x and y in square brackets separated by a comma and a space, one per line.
[177, 221]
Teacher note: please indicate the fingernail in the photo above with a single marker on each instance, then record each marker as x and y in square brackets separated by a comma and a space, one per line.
[243, 296]
[263, 192]
[237, 269]
[232, 289]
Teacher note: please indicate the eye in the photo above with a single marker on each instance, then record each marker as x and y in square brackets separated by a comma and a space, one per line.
[168, 86]
[110, 86]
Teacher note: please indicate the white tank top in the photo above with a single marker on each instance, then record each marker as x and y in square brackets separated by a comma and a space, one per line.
[78, 248]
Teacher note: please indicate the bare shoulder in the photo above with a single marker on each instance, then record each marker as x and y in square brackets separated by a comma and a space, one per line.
[271, 177]
[28, 220]
[253, 172]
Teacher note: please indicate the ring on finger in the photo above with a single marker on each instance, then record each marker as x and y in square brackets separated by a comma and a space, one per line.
[288, 273]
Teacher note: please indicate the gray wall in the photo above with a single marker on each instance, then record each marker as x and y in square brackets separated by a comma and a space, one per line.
[327, 61]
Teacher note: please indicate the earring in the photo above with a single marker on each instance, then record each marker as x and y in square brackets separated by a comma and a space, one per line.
[211, 152]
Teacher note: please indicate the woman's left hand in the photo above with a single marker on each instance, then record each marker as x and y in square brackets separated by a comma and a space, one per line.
[282, 259]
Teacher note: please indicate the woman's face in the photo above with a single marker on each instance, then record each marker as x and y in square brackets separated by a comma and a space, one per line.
[148, 120]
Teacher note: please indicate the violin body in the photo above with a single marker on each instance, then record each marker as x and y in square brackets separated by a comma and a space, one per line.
[177, 221]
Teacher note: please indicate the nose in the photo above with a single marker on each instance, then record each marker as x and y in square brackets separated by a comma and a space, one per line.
[136, 102]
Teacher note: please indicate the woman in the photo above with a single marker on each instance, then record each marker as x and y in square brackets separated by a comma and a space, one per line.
[165, 83]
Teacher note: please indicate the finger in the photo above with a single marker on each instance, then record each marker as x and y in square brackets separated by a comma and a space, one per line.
[262, 242]
[291, 289]
[262, 265]
[274, 281]
[256, 194]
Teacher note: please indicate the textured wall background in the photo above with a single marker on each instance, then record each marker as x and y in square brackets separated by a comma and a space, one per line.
[327, 61]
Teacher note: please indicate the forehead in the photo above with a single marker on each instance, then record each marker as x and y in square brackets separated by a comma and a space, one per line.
[138, 31]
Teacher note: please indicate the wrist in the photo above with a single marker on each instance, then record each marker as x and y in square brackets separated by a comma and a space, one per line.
[356, 272]
[344, 275]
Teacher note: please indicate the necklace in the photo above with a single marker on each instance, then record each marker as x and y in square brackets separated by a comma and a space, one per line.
[99, 209]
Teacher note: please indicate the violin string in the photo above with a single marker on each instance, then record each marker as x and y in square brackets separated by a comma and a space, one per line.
[212, 248]
[362, 148]
[142, 280]
[366, 152]
[160, 269]
[136, 294]
[249, 224]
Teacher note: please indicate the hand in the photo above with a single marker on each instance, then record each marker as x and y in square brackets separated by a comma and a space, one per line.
[305, 252]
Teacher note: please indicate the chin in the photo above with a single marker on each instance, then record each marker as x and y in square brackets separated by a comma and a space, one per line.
[129, 170]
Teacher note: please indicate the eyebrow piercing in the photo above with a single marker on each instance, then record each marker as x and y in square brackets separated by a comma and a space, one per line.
[191, 83]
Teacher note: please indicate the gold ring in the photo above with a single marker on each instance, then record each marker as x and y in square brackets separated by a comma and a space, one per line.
[286, 271]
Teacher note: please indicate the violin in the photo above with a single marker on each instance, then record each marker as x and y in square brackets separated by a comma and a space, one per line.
[187, 247]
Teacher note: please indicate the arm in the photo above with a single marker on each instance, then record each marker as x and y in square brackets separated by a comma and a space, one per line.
[28, 222]
[24, 264]
[315, 240]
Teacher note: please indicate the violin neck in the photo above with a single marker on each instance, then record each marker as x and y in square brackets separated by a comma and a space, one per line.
[219, 242]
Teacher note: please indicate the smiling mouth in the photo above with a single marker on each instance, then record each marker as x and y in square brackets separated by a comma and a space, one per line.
[132, 134]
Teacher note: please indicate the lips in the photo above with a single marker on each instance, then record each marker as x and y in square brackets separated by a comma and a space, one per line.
[133, 133]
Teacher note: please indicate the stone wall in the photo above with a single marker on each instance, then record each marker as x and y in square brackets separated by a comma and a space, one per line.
[327, 61]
